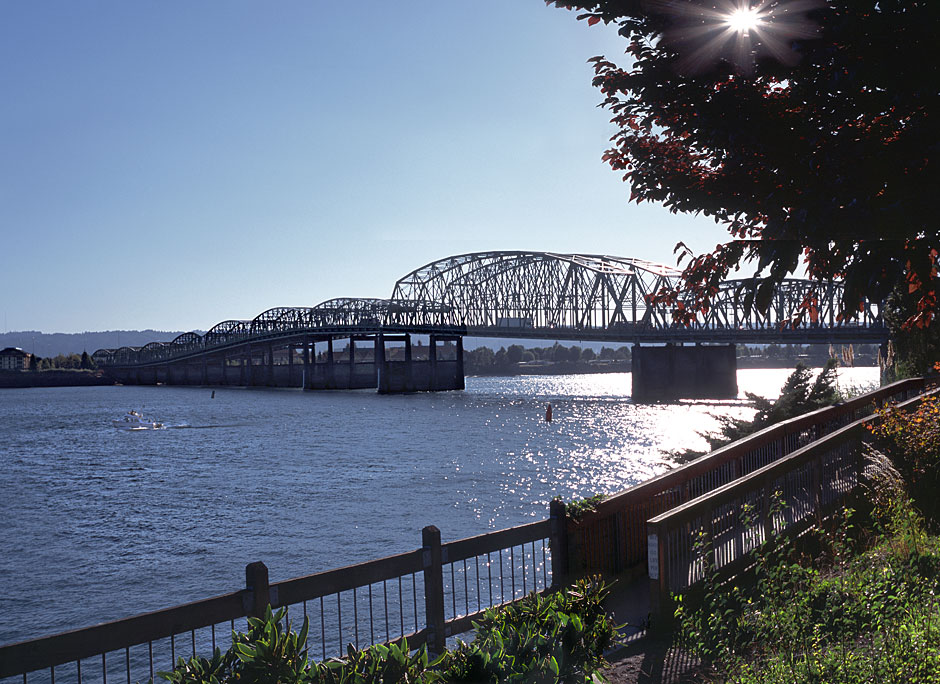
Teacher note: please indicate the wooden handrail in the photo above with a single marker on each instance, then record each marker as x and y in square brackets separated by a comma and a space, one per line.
[66, 647]
[471, 547]
[680, 514]
[678, 476]
[345, 579]
[761, 482]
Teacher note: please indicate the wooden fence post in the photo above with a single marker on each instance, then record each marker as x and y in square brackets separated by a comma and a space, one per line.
[256, 581]
[657, 570]
[559, 543]
[433, 588]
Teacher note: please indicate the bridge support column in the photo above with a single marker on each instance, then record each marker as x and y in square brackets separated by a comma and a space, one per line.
[432, 358]
[410, 375]
[270, 366]
[330, 365]
[675, 372]
[290, 366]
[459, 379]
[306, 382]
[352, 360]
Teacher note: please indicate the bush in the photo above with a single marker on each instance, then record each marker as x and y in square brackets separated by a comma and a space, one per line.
[912, 442]
[556, 638]
[851, 614]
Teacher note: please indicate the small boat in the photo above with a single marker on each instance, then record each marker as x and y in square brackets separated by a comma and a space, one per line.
[132, 420]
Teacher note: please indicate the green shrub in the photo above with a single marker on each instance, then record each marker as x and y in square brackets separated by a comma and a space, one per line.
[851, 614]
[379, 664]
[270, 653]
[556, 638]
[912, 442]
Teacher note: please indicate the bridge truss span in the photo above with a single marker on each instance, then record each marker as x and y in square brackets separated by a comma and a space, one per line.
[541, 290]
[527, 294]
[582, 296]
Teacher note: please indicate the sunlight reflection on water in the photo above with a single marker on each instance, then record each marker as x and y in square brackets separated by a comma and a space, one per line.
[304, 481]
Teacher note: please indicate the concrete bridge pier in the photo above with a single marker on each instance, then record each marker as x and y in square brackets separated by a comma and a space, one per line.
[409, 374]
[677, 372]
[305, 382]
[213, 371]
[356, 372]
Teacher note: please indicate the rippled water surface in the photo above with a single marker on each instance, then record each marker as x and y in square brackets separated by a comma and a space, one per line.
[99, 523]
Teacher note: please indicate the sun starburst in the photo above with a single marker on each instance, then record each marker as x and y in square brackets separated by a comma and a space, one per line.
[738, 32]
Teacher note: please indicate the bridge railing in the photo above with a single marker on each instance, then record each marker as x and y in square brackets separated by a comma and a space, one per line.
[613, 537]
[716, 531]
[426, 595]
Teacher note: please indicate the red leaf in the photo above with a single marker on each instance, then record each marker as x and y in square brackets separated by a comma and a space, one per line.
[593, 20]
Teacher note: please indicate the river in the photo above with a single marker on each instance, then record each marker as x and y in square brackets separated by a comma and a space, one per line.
[99, 523]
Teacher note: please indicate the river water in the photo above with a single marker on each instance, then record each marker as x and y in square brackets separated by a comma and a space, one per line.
[98, 523]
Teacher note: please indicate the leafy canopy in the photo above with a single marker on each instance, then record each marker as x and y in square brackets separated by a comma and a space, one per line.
[804, 126]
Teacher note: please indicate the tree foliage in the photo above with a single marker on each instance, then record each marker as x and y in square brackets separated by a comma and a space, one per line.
[912, 441]
[808, 135]
[799, 395]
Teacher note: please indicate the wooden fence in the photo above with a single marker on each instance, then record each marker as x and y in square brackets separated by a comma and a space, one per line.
[718, 530]
[426, 595]
[436, 591]
[613, 537]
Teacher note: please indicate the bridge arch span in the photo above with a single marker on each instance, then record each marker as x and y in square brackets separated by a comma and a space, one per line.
[541, 290]
[227, 332]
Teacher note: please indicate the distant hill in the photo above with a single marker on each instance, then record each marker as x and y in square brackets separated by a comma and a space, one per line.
[52, 344]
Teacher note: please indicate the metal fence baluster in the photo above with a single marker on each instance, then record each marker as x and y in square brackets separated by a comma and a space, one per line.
[477, 561]
[512, 570]
[502, 591]
[322, 629]
[385, 599]
[466, 595]
[371, 628]
[356, 618]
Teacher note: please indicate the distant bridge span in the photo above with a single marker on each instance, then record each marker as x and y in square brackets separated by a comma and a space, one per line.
[518, 294]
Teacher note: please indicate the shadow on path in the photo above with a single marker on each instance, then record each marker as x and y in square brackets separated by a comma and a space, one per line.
[646, 657]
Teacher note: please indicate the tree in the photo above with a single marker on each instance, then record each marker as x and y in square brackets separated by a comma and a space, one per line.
[87, 363]
[514, 353]
[803, 126]
[799, 395]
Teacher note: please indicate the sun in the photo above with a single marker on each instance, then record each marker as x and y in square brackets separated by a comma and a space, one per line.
[737, 32]
[743, 19]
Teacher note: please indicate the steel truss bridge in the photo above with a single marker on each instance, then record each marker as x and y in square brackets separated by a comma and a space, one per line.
[536, 295]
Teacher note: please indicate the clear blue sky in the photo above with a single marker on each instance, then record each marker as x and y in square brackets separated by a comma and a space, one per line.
[170, 165]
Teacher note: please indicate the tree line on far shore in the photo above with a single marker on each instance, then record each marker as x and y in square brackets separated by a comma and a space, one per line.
[485, 361]
[63, 362]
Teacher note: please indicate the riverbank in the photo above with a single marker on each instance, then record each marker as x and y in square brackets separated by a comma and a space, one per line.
[53, 378]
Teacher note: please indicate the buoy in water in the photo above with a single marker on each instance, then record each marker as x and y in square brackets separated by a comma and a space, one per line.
[213, 395]
[548, 414]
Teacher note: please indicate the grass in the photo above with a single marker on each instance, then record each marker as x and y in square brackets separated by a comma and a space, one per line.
[865, 607]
